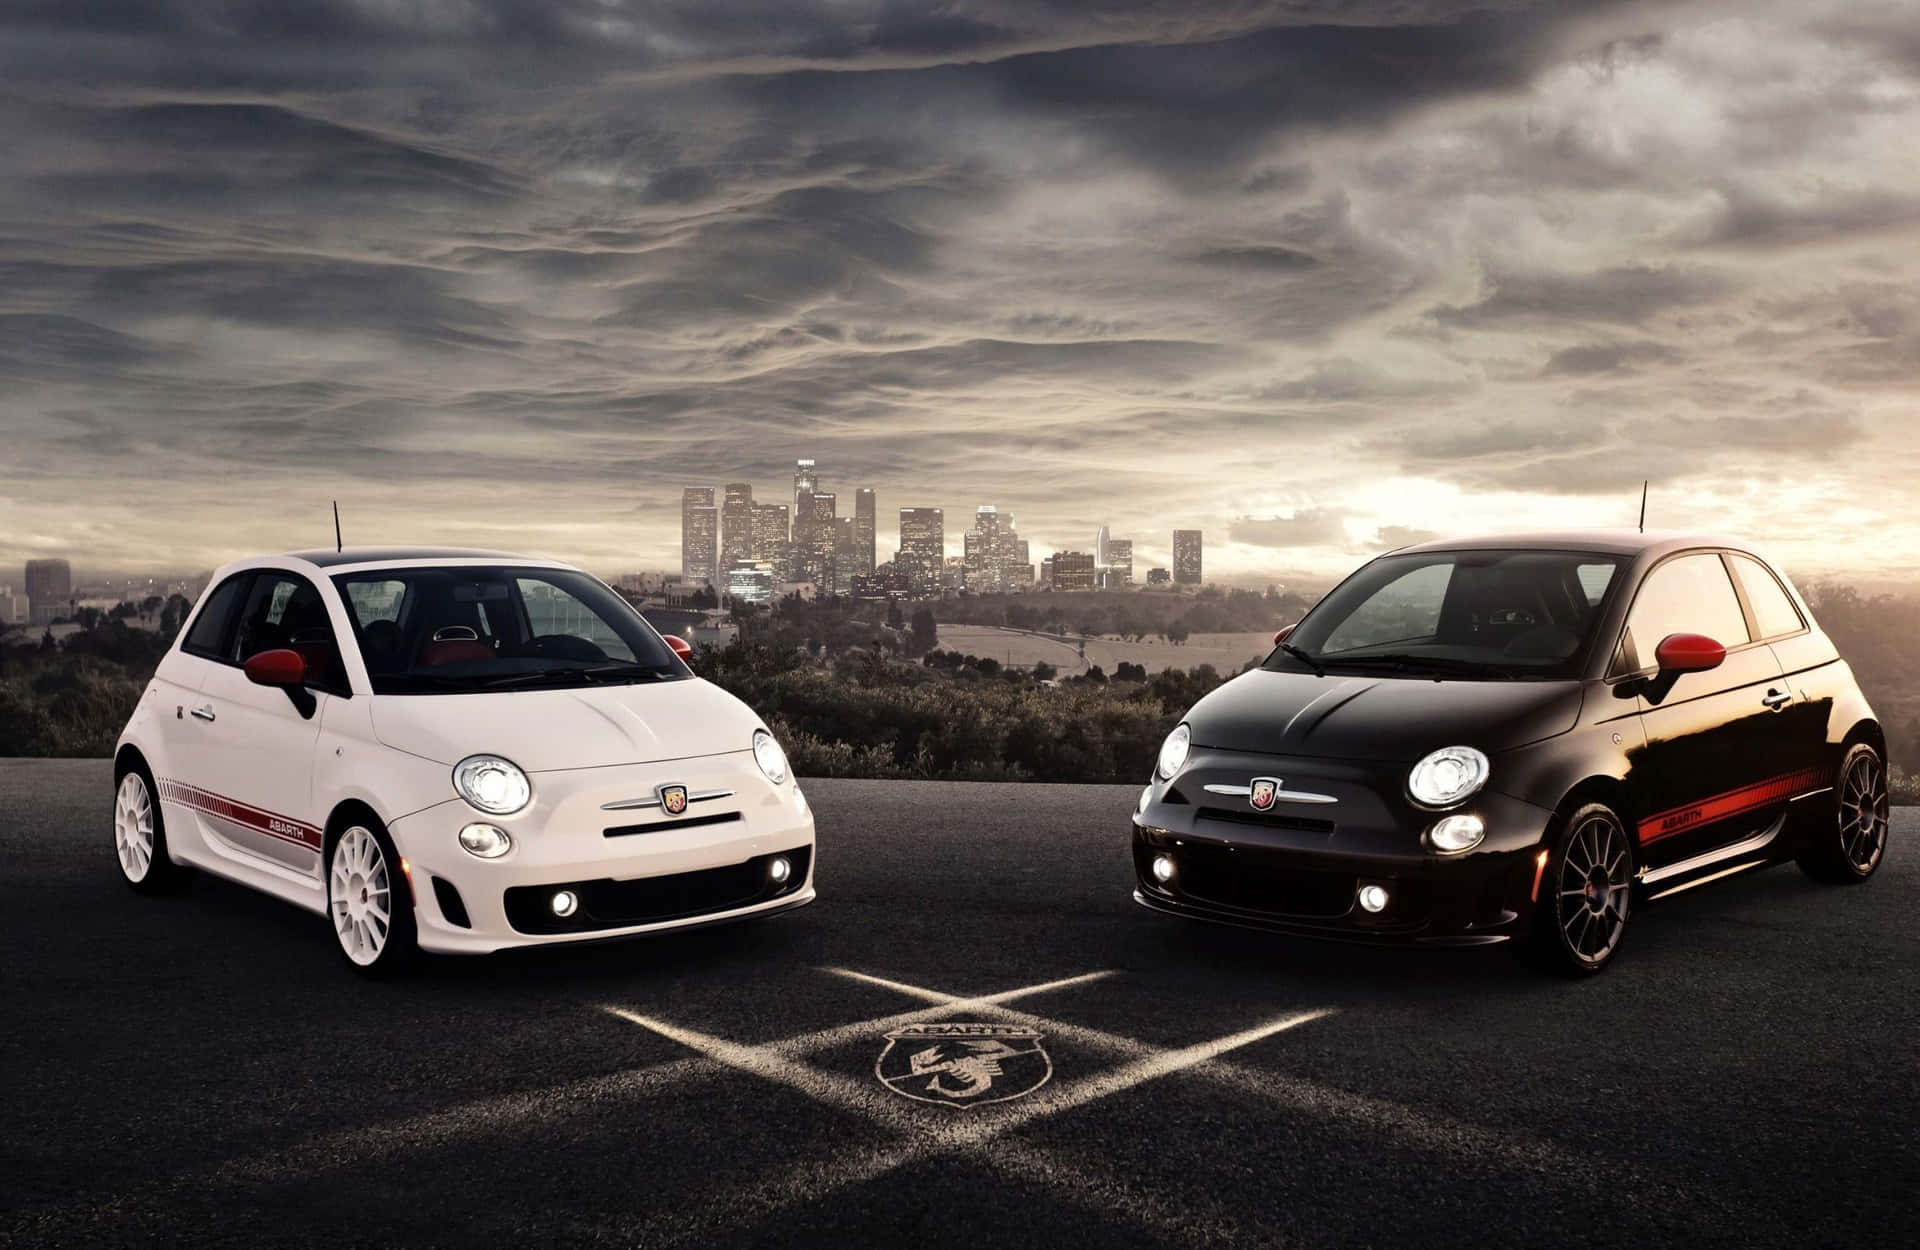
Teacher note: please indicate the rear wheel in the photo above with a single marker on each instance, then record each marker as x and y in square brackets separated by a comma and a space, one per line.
[1586, 894]
[140, 836]
[369, 901]
[1848, 848]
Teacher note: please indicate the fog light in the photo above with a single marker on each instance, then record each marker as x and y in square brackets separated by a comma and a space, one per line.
[1456, 834]
[1163, 868]
[779, 869]
[486, 841]
[1373, 898]
[564, 903]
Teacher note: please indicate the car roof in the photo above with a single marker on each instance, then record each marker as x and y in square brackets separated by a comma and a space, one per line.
[1611, 542]
[350, 557]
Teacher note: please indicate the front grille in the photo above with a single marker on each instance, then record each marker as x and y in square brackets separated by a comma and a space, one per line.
[1265, 820]
[1230, 878]
[610, 904]
[662, 826]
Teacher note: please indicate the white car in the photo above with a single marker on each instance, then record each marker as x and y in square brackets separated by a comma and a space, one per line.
[454, 751]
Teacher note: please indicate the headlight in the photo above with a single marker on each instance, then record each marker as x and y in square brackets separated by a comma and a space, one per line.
[767, 754]
[1449, 776]
[1173, 752]
[1454, 834]
[492, 784]
[485, 841]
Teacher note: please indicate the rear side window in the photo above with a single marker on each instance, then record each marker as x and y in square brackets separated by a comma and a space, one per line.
[1688, 595]
[211, 628]
[1773, 611]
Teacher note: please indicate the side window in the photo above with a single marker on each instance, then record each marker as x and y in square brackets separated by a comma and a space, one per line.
[1773, 611]
[1688, 595]
[285, 612]
[210, 628]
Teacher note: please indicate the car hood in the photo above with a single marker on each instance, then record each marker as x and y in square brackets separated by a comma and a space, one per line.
[591, 727]
[1378, 718]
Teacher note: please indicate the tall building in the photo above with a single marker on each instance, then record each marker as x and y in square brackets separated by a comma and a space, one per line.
[863, 532]
[1100, 548]
[1186, 558]
[736, 524]
[49, 591]
[1118, 565]
[1074, 570]
[770, 538]
[818, 549]
[699, 535]
[996, 556]
[806, 484]
[923, 549]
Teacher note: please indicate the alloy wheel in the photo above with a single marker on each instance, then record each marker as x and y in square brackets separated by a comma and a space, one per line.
[133, 827]
[1863, 813]
[360, 896]
[1596, 888]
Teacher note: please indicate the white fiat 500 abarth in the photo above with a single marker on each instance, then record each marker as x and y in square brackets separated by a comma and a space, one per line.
[455, 751]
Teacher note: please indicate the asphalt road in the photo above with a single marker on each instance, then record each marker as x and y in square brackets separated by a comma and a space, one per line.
[200, 1070]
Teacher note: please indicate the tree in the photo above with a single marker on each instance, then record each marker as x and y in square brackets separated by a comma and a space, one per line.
[895, 620]
[1044, 671]
[926, 634]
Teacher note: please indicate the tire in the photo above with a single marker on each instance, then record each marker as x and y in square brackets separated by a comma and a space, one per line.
[140, 834]
[1849, 847]
[1586, 894]
[369, 900]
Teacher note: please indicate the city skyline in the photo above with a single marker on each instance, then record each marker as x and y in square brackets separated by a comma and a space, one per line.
[1316, 279]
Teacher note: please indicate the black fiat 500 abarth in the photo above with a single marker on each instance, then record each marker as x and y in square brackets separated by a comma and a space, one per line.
[1518, 738]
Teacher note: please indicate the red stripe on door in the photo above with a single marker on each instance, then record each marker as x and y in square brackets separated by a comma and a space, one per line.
[1732, 803]
[245, 815]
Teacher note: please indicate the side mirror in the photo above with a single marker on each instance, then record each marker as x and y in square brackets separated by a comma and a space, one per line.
[1280, 635]
[680, 647]
[276, 668]
[1689, 653]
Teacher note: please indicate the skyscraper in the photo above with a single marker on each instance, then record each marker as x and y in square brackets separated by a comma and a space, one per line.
[863, 532]
[49, 591]
[996, 556]
[1073, 570]
[770, 538]
[1100, 548]
[818, 549]
[923, 549]
[699, 535]
[736, 524]
[1186, 558]
[806, 483]
[1119, 562]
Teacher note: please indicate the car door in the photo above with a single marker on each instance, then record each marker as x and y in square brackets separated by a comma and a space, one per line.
[177, 684]
[1802, 719]
[252, 746]
[1711, 772]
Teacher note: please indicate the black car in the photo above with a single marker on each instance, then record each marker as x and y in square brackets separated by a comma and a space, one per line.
[1518, 739]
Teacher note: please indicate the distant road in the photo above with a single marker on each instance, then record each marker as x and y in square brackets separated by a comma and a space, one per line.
[199, 1071]
[1226, 652]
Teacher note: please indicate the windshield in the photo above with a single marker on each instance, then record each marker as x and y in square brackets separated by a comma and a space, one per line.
[461, 630]
[1480, 615]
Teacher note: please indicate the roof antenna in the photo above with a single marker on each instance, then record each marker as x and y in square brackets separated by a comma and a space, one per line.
[1643, 504]
[336, 525]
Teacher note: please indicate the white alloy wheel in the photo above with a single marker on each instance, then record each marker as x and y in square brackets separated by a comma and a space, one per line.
[360, 896]
[133, 827]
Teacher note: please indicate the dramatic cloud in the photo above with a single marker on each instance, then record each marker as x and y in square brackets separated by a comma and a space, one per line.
[1316, 277]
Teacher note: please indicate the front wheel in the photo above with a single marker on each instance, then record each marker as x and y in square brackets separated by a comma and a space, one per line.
[1586, 894]
[369, 900]
[1849, 849]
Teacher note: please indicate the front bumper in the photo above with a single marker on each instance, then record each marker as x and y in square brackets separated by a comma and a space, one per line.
[632, 871]
[1299, 869]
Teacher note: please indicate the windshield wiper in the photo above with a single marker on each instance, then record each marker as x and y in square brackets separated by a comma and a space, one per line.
[1304, 658]
[1432, 663]
[594, 675]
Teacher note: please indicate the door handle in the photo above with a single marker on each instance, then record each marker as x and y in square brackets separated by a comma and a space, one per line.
[1777, 699]
[204, 711]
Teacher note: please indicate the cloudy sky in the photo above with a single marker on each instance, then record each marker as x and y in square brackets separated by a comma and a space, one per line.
[1314, 276]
